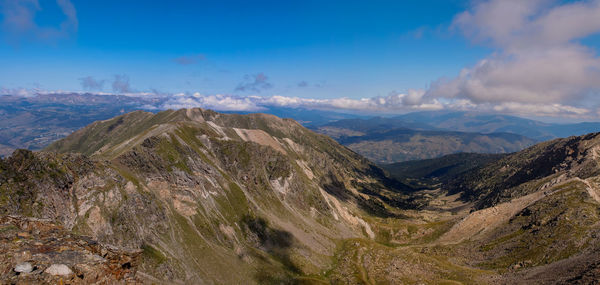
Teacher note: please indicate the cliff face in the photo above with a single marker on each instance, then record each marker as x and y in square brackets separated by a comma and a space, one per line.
[202, 193]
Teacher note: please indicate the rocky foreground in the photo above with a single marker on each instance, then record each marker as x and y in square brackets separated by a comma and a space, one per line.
[36, 251]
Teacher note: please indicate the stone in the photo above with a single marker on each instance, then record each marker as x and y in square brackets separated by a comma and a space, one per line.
[24, 267]
[59, 269]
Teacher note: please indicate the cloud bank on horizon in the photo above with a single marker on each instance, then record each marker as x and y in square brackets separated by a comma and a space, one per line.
[540, 65]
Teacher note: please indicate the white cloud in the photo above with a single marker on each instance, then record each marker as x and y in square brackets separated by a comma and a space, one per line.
[18, 21]
[541, 110]
[397, 102]
[217, 102]
[22, 92]
[412, 100]
[254, 83]
[539, 59]
[121, 84]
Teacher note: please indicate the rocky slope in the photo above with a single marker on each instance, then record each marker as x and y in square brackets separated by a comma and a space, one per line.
[536, 168]
[201, 193]
[204, 197]
[539, 214]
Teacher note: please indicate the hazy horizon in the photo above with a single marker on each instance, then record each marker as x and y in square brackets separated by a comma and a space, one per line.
[534, 59]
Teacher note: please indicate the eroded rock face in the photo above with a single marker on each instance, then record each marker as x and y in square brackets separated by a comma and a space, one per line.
[36, 251]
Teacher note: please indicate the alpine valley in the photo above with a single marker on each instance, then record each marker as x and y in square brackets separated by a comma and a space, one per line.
[198, 197]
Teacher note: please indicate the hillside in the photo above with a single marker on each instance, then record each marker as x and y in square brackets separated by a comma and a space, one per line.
[196, 196]
[430, 173]
[201, 192]
[382, 143]
[536, 214]
[532, 169]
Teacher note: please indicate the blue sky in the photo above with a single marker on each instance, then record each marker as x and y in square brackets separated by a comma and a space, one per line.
[349, 48]
[306, 49]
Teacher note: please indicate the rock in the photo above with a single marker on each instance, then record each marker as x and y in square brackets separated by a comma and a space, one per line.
[24, 267]
[59, 269]
[61, 256]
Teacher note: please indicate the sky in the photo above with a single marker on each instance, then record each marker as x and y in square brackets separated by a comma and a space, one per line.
[534, 58]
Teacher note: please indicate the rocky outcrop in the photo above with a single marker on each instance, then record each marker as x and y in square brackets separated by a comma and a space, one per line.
[37, 251]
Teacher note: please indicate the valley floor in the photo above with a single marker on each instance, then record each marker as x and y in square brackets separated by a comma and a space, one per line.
[448, 244]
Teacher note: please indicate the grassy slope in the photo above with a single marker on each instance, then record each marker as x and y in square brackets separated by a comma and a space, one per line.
[275, 236]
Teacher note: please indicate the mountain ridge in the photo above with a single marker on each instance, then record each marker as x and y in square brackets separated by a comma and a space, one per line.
[203, 194]
[241, 185]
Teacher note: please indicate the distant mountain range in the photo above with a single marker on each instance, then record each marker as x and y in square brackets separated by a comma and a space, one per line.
[386, 140]
[425, 135]
[494, 123]
[35, 122]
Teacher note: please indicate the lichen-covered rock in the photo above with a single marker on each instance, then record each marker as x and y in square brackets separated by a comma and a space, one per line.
[50, 255]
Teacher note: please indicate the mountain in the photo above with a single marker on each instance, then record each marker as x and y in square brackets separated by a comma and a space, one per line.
[522, 173]
[493, 123]
[361, 126]
[195, 196]
[201, 193]
[536, 214]
[383, 141]
[428, 173]
[307, 117]
[35, 122]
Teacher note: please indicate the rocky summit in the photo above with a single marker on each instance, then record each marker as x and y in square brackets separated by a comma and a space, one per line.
[197, 197]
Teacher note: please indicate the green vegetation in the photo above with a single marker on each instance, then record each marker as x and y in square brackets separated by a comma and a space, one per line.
[210, 203]
[153, 254]
[428, 173]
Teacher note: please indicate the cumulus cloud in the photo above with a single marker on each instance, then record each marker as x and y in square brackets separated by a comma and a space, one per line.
[392, 103]
[189, 59]
[90, 83]
[395, 102]
[254, 83]
[22, 92]
[121, 84]
[18, 21]
[216, 102]
[538, 60]
[541, 110]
